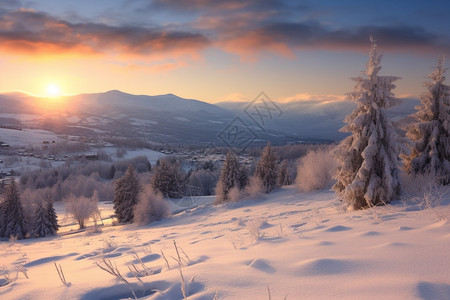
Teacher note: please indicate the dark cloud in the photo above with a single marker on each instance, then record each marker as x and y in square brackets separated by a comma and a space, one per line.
[216, 5]
[243, 27]
[284, 37]
[32, 31]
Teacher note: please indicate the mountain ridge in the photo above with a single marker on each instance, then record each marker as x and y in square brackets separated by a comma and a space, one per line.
[170, 118]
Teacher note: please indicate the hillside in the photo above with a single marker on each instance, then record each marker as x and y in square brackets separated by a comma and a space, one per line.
[297, 245]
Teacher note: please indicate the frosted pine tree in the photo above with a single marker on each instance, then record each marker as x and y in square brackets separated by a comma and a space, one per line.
[284, 177]
[242, 177]
[229, 178]
[126, 191]
[52, 216]
[430, 133]
[168, 179]
[42, 225]
[2, 218]
[367, 172]
[14, 221]
[266, 169]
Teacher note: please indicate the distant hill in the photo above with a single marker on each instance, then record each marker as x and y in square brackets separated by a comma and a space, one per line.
[320, 118]
[174, 120]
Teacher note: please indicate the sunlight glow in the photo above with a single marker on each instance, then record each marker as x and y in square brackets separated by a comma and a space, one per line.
[53, 90]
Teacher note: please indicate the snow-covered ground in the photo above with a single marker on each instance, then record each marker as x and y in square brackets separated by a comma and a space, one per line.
[31, 136]
[297, 245]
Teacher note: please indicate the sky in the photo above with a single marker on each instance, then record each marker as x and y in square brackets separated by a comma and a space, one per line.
[217, 50]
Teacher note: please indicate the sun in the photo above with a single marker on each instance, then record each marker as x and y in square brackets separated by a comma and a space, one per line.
[53, 90]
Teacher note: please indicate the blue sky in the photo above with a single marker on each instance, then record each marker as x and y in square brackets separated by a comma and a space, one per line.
[217, 50]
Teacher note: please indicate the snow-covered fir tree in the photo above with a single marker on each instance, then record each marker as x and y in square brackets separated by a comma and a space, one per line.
[126, 191]
[2, 217]
[430, 133]
[284, 176]
[52, 216]
[229, 178]
[266, 169]
[367, 172]
[168, 179]
[42, 225]
[14, 221]
[242, 177]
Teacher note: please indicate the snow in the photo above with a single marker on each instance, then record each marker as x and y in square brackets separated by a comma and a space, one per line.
[182, 119]
[297, 245]
[140, 122]
[21, 117]
[31, 136]
[151, 155]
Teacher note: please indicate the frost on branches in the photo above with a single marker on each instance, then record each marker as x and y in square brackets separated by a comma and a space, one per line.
[13, 220]
[266, 169]
[45, 219]
[430, 133]
[229, 178]
[367, 172]
[126, 191]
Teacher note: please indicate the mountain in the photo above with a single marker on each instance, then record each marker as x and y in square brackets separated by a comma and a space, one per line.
[174, 120]
[161, 119]
[319, 118]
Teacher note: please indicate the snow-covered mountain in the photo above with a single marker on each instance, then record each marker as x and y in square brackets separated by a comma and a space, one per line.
[319, 118]
[171, 119]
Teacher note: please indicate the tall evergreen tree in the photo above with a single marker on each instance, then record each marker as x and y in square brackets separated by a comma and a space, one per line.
[229, 178]
[2, 217]
[266, 169]
[242, 178]
[52, 216]
[430, 133]
[42, 225]
[168, 179]
[126, 191]
[14, 221]
[284, 177]
[367, 172]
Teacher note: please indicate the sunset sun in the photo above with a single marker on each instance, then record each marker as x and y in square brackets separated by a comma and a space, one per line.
[53, 90]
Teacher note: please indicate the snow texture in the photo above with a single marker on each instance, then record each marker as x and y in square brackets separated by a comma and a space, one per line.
[300, 245]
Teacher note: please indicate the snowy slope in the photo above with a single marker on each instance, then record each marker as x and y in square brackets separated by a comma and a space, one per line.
[298, 245]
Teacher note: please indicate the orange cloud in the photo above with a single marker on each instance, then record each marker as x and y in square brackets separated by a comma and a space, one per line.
[27, 31]
[320, 98]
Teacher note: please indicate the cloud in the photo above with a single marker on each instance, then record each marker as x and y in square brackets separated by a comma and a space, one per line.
[233, 97]
[307, 97]
[30, 31]
[285, 37]
[247, 28]
[217, 5]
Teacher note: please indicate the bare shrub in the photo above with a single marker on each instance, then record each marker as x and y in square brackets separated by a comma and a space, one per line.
[81, 208]
[255, 188]
[151, 206]
[426, 192]
[235, 194]
[315, 170]
[416, 184]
